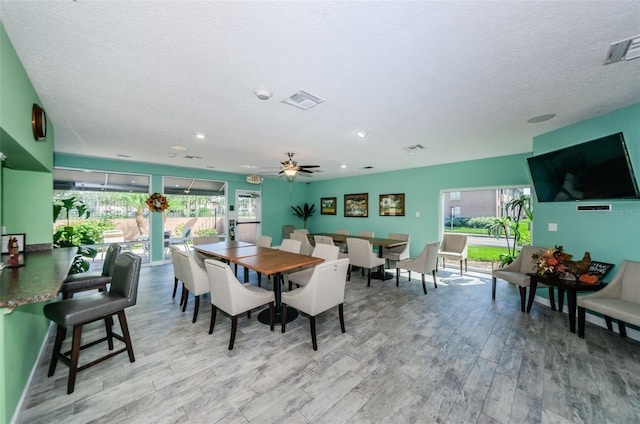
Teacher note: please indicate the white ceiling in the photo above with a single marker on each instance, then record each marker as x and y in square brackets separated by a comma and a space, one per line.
[460, 78]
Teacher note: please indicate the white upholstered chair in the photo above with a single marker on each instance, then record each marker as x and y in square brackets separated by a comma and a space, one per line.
[365, 233]
[301, 230]
[193, 277]
[318, 239]
[290, 245]
[198, 240]
[516, 273]
[361, 254]
[398, 253]
[342, 246]
[305, 246]
[234, 298]
[619, 300]
[263, 241]
[455, 247]
[324, 291]
[425, 263]
[324, 251]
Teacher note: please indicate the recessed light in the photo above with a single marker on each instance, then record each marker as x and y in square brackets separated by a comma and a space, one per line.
[361, 134]
[263, 94]
[343, 166]
[200, 135]
[541, 118]
[171, 155]
[178, 147]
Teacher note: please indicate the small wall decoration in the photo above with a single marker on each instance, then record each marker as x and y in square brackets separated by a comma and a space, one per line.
[392, 204]
[13, 246]
[356, 205]
[328, 205]
[157, 203]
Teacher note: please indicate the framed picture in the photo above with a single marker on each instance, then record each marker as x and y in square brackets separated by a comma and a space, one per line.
[13, 246]
[328, 205]
[356, 205]
[392, 204]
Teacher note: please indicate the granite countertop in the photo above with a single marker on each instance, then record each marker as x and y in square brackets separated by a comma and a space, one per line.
[39, 280]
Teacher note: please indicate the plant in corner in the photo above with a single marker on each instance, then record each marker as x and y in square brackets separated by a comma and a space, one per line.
[65, 236]
[304, 212]
[509, 226]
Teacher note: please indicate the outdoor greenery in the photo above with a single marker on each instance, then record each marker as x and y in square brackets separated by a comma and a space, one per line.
[207, 232]
[485, 254]
[509, 226]
[69, 235]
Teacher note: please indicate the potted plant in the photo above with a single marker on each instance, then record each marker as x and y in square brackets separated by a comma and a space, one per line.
[304, 212]
[64, 235]
[508, 226]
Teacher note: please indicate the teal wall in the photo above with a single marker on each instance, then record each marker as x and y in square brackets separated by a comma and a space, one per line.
[422, 188]
[608, 236]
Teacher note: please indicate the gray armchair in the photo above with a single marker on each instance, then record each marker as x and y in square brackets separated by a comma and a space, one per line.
[75, 283]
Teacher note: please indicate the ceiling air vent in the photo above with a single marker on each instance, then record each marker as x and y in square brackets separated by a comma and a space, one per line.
[623, 50]
[303, 100]
[367, 167]
[414, 148]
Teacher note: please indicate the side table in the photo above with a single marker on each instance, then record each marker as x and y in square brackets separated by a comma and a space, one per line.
[572, 287]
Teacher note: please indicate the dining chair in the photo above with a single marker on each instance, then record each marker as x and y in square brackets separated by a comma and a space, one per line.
[291, 245]
[301, 230]
[398, 253]
[324, 251]
[234, 298]
[305, 246]
[620, 300]
[193, 277]
[263, 241]
[77, 312]
[361, 255]
[455, 247]
[425, 263]
[324, 291]
[318, 239]
[516, 273]
[199, 240]
[365, 233]
[84, 281]
[342, 245]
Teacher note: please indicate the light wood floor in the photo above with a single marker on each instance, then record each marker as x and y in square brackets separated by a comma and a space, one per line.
[454, 356]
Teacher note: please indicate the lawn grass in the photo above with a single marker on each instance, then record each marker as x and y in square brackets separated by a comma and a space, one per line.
[482, 253]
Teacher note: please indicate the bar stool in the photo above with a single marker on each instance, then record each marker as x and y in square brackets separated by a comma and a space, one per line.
[91, 280]
[77, 312]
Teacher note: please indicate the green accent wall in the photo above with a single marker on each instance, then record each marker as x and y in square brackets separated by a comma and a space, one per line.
[609, 236]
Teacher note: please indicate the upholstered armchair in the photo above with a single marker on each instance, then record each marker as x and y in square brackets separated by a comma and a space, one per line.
[516, 273]
[398, 253]
[361, 254]
[454, 247]
[305, 246]
[324, 291]
[619, 300]
[193, 277]
[425, 263]
[324, 251]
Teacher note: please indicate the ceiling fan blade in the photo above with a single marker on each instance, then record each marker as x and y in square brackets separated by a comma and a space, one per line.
[305, 171]
[281, 172]
[309, 166]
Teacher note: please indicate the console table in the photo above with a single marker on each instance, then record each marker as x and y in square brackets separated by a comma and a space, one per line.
[572, 287]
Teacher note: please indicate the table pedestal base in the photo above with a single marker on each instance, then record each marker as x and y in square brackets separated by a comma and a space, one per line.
[263, 316]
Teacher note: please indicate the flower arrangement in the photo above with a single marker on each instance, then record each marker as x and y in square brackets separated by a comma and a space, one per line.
[157, 203]
[552, 261]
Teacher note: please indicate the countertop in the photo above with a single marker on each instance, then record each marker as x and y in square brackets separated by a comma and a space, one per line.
[39, 280]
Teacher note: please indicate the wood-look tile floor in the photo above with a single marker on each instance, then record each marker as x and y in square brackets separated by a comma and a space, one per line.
[454, 356]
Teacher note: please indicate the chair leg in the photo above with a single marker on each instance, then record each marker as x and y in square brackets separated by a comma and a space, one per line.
[466, 268]
[234, 327]
[195, 309]
[272, 314]
[341, 314]
[424, 285]
[397, 277]
[621, 328]
[125, 335]
[185, 293]
[213, 318]
[409, 275]
[283, 317]
[523, 295]
[609, 323]
[493, 288]
[75, 354]
[259, 279]
[61, 333]
[175, 286]
[349, 273]
[108, 326]
[368, 277]
[581, 323]
[461, 267]
[435, 281]
[552, 298]
[312, 324]
[183, 297]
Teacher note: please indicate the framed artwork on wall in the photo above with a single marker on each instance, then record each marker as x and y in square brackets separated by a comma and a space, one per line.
[356, 205]
[391, 204]
[328, 205]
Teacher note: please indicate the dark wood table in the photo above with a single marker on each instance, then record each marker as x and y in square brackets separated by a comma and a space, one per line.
[275, 263]
[379, 242]
[572, 287]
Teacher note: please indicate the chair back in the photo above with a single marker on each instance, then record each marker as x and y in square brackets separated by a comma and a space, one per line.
[227, 293]
[110, 259]
[263, 241]
[360, 252]
[301, 230]
[326, 252]
[205, 240]
[401, 251]
[290, 245]
[186, 269]
[126, 274]
[305, 245]
[344, 232]
[365, 233]
[326, 286]
[629, 277]
[527, 264]
[186, 232]
[430, 253]
[323, 240]
[456, 243]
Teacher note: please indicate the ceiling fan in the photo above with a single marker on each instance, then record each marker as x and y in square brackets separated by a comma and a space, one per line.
[290, 167]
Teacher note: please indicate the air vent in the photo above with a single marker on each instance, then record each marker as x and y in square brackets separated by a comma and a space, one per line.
[303, 100]
[367, 167]
[623, 50]
[192, 157]
[593, 208]
[414, 148]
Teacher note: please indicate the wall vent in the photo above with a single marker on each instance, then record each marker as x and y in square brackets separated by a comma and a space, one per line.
[593, 208]
[303, 100]
[414, 148]
[623, 50]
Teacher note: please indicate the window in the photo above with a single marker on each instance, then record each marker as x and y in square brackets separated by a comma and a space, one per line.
[454, 195]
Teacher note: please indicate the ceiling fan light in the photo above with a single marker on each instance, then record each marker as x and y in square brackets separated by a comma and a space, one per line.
[290, 172]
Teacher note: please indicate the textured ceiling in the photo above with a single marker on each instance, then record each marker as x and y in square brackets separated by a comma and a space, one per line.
[460, 78]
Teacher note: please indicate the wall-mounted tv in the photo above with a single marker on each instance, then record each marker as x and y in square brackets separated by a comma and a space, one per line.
[596, 169]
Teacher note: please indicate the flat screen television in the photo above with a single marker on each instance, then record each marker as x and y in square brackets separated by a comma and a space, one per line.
[596, 169]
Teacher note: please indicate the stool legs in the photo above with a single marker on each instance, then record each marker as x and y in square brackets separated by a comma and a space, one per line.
[61, 333]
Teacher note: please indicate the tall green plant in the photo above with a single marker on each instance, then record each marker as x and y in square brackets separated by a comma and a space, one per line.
[509, 226]
[304, 212]
[64, 236]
